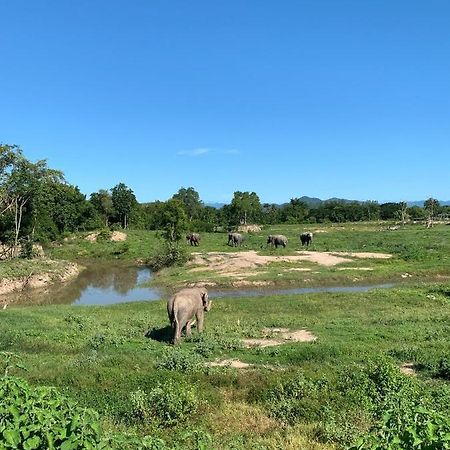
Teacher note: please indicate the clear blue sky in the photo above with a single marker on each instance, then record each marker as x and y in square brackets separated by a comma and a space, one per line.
[347, 98]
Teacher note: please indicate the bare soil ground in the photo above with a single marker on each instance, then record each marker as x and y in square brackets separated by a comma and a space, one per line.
[234, 363]
[249, 228]
[242, 265]
[279, 336]
[408, 369]
[116, 236]
[39, 280]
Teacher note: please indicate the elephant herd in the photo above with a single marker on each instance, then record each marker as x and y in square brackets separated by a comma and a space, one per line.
[189, 305]
[237, 239]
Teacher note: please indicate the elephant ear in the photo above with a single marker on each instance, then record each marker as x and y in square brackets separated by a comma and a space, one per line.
[206, 303]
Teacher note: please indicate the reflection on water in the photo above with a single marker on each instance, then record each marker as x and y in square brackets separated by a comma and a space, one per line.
[110, 283]
[98, 284]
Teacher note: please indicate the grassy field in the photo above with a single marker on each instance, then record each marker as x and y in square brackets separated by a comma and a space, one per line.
[324, 394]
[309, 395]
[417, 254]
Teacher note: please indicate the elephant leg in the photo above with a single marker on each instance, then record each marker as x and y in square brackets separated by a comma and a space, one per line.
[177, 332]
[188, 328]
[200, 317]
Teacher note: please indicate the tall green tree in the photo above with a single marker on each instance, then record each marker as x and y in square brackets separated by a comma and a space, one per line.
[294, 212]
[431, 206]
[124, 202]
[23, 186]
[271, 213]
[175, 221]
[190, 199]
[103, 204]
[246, 207]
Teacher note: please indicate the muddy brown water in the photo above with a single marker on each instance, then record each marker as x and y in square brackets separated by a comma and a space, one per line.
[108, 284]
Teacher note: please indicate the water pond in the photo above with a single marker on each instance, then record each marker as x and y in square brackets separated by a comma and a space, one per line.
[109, 283]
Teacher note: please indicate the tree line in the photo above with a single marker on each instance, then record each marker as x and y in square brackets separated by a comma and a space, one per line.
[38, 204]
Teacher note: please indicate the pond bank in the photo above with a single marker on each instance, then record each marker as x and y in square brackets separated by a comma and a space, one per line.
[35, 274]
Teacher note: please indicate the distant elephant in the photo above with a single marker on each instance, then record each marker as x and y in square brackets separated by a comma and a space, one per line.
[306, 238]
[235, 239]
[276, 240]
[183, 306]
[193, 239]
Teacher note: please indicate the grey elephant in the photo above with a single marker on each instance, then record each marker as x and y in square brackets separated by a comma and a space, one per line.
[235, 239]
[306, 238]
[183, 306]
[277, 239]
[193, 239]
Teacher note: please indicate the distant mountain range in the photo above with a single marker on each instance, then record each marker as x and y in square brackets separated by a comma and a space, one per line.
[313, 202]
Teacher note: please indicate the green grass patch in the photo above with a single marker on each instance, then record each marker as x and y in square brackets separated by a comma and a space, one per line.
[322, 395]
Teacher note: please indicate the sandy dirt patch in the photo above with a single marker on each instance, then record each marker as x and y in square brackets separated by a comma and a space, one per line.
[234, 363]
[92, 237]
[364, 255]
[242, 265]
[408, 369]
[279, 336]
[249, 228]
[247, 283]
[118, 236]
[202, 284]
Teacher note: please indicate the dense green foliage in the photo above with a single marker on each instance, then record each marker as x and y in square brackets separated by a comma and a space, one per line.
[41, 418]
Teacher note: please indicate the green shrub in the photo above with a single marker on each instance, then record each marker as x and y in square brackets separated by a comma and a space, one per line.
[104, 235]
[175, 358]
[170, 254]
[295, 400]
[26, 248]
[202, 226]
[443, 368]
[169, 403]
[121, 248]
[380, 387]
[41, 418]
[421, 430]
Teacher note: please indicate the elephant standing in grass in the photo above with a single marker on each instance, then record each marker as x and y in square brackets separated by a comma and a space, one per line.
[193, 239]
[276, 240]
[183, 306]
[306, 238]
[235, 239]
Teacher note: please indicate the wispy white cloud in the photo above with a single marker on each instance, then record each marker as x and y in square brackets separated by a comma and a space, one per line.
[195, 152]
[201, 151]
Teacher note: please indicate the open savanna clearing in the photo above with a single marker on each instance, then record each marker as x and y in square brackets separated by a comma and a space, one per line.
[347, 254]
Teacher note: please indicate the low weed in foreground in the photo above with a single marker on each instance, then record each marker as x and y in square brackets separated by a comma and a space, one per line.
[40, 418]
[375, 406]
